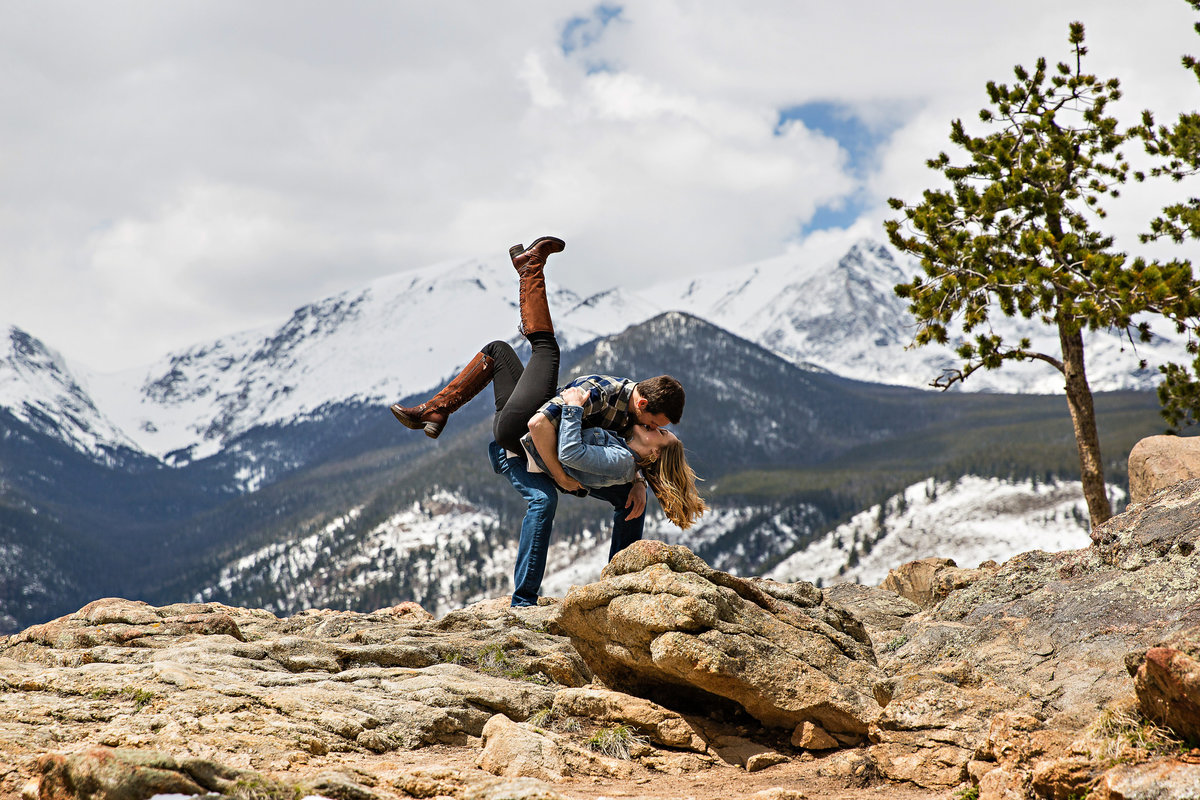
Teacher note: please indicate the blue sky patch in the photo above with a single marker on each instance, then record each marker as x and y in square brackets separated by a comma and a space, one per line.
[834, 216]
[579, 33]
[860, 142]
[838, 122]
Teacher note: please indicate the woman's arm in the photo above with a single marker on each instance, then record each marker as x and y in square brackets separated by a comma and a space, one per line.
[545, 440]
[605, 455]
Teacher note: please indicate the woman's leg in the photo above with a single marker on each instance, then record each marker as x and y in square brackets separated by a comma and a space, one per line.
[537, 384]
[529, 263]
[507, 369]
[432, 414]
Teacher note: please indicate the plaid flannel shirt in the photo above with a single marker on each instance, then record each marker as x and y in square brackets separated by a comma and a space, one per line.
[607, 405]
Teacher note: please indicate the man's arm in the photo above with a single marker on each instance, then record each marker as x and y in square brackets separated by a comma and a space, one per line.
[601, 392]
[545, 439]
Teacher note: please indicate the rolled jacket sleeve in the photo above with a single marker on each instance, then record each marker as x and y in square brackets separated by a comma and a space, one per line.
[602, 454]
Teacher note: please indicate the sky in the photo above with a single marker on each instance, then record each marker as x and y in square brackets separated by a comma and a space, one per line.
[172, 172]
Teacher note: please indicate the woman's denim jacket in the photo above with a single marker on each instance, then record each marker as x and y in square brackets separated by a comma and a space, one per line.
[593, 456]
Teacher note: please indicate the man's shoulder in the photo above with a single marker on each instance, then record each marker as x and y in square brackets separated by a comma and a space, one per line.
[603, 381]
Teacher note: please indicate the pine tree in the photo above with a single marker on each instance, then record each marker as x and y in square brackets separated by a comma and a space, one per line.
[1179, 147]
[1015, 233]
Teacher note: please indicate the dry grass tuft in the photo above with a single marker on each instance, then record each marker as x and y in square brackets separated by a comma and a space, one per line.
[1121, 734]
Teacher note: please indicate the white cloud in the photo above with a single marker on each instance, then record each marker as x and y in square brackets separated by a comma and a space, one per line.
[176, 171]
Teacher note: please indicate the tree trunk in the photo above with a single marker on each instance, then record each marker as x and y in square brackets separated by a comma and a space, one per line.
[1083, 416]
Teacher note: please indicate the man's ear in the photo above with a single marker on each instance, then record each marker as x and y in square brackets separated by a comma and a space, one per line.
[641, 403]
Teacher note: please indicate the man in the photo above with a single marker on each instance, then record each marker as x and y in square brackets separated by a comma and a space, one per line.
[612, 403]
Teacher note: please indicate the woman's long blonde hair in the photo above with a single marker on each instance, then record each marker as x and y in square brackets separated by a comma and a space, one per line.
[674, 484]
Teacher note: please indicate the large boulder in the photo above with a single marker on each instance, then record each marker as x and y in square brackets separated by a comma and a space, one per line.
[1158, 462]
[915, 581]
[649, 719]
[520, 750]
[928, 581]
[662, 624]
[1162, 780]
[117, 775]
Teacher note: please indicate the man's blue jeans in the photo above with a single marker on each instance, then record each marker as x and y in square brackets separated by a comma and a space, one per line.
[624, 532]
[541, 499]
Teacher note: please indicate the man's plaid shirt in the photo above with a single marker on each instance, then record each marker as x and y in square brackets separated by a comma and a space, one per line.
[607, 405]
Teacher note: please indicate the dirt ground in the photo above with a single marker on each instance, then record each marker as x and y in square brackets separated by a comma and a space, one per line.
[804, 778]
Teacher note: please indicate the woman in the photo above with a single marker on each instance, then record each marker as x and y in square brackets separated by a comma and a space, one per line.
[599, 457]
[595, 458]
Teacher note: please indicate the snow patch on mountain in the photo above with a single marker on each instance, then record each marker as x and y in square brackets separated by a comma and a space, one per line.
[970, 520]
[41, 389]
[438, 550]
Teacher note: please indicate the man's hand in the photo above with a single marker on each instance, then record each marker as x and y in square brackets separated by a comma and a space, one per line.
[637, 499]
[568, 483]
[574, 396]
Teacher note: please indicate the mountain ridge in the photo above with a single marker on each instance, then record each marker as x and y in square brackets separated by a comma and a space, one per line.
[405, 333]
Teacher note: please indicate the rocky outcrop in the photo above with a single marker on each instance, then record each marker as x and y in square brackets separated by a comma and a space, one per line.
[661, 623]
[243, 689]
[1168, 689]
[1044, 638]
[930, 580]
[125, 700]
[1159, 462]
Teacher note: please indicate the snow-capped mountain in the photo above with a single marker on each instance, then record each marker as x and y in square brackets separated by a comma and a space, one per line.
[403, 334]
[838, 310]
[375, 345]
[38, 387]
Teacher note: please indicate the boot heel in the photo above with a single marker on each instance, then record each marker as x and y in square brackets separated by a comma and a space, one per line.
[434, 429]
[516, 250]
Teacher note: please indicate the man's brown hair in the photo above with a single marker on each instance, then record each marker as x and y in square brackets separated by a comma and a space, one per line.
[664, 395]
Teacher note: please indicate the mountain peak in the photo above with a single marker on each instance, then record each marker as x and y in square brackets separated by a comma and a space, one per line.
[39, 388]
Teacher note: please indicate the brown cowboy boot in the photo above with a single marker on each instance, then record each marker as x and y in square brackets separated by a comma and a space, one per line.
[529, 263]
[432, 415]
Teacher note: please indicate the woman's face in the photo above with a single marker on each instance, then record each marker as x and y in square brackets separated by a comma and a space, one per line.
[646, 442]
